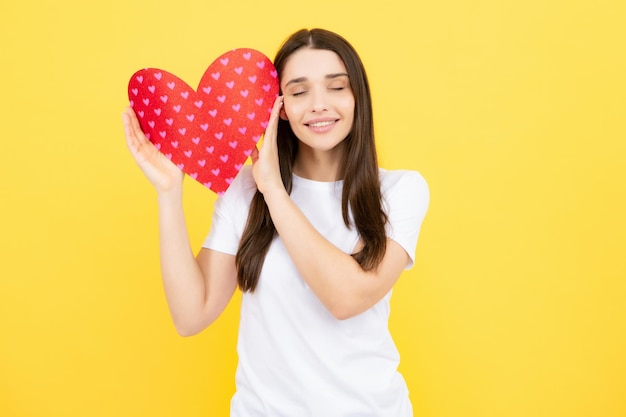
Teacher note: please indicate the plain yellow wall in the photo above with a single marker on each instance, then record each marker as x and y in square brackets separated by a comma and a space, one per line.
[514, 111]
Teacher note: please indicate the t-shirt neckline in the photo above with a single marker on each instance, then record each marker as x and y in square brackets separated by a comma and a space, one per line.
[313, 183]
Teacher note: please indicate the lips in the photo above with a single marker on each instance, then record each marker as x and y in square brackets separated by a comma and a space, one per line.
[321, 125]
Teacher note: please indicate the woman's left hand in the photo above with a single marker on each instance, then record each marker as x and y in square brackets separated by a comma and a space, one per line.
[265, 166]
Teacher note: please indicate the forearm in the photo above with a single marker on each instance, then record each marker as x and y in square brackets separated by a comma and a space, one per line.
[183, 281]
[333, 275]
[185, 278]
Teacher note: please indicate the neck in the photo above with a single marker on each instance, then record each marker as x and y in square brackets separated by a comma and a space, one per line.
[317, 165]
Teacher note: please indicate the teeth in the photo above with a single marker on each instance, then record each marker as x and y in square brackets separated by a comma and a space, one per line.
[320, 124]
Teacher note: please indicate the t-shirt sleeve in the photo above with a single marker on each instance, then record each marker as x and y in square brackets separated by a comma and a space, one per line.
[230, 214]
[406, 197]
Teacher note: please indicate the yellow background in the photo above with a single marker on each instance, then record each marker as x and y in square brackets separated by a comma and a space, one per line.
[514, 111]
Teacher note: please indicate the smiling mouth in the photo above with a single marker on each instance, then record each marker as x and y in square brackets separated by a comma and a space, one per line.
[321, 124]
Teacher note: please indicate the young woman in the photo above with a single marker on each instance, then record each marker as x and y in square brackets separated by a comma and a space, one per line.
[313, 232]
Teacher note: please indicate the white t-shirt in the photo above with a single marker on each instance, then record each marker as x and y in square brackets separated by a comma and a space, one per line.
[295, 358]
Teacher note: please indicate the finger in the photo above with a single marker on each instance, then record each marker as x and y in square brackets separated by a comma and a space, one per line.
[128, 131]
[272, 125]
[136, 141]
[136, 127]
[132, 141]
[278, 103]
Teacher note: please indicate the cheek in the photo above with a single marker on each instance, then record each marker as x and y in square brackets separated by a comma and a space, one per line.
[292, 111]
[348, 106]
[290, 116]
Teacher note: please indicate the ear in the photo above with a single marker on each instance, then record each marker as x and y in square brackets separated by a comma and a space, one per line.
[282, 114]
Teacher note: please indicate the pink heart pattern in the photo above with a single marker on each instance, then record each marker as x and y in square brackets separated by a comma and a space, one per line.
[209, 132]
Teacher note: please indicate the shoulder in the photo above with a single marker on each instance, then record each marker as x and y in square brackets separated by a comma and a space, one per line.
[244, 181]
[405, 199]
[241, 190]
[405, 194]
[403, 181]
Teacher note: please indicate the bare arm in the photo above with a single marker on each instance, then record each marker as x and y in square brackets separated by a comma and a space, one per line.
[197, 288]
[334, 276]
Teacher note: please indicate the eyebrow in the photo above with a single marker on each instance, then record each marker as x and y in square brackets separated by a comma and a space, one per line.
[328, 77]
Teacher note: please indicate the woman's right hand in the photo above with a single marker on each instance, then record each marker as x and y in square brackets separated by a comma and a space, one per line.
[160, 171]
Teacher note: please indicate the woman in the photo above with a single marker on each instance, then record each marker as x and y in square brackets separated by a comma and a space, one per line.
[315, 235]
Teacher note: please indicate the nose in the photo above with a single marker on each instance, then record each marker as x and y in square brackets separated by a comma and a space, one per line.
[319, 102]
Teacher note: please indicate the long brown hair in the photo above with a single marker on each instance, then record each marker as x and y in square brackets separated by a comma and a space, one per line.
[361, 196]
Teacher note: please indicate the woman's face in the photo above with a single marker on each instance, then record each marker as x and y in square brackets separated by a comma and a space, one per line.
[318, 101]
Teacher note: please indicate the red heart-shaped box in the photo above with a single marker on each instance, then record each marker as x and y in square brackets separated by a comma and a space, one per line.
[209, 132]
